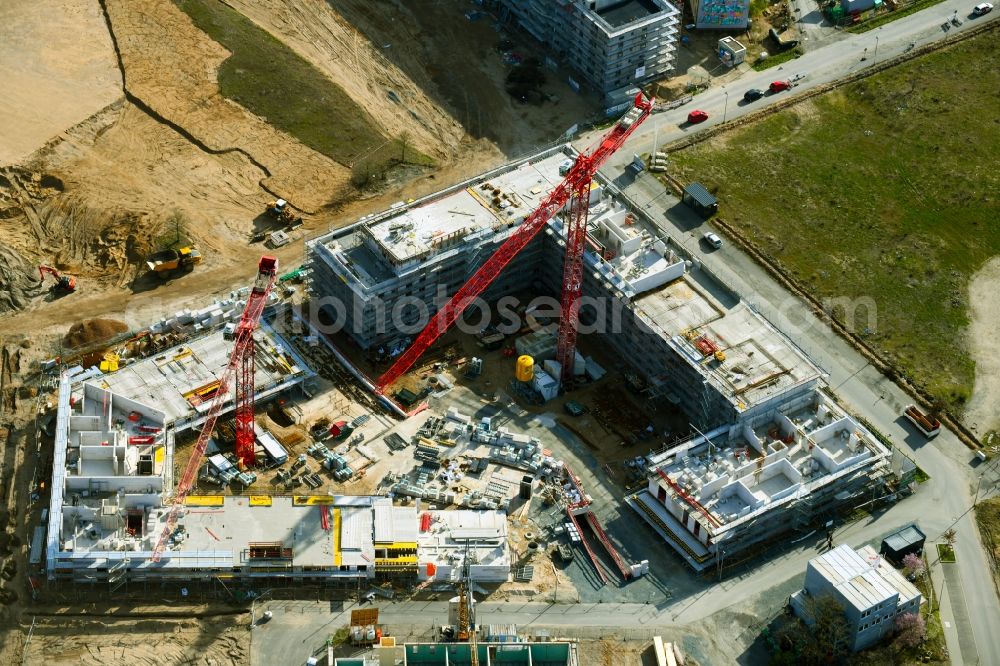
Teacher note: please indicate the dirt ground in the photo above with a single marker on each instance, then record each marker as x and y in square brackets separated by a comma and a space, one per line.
[62, 65]
[984, 299]
[136, 640]
[456, 61]
[320, 35]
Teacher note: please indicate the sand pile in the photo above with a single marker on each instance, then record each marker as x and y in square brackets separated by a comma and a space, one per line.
[90, 331]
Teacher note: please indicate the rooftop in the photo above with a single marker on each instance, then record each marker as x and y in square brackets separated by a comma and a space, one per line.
[757, 360]
[182, 380]
[485, 533]
[625, 12]
[491, 204]
[862, 577]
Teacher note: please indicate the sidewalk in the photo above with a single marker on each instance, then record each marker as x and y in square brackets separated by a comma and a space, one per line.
[950, 598]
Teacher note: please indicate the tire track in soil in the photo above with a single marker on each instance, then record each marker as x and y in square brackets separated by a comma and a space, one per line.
[179, 129]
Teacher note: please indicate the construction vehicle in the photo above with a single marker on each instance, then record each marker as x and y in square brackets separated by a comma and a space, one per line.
[167, 263]
[282, 212]
[65, 284]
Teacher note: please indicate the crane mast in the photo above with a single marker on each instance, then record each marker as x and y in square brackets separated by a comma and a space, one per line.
[576, 187]
[239, 373]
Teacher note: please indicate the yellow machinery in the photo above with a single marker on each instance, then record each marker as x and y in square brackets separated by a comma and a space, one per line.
[110, 362]
[525, 370]
[169, 262]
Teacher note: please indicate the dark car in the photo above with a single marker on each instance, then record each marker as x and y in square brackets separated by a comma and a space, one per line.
[753, 95]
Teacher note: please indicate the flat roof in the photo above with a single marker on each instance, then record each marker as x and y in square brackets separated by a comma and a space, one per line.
[698, 192]
[502, 200]
[904, 538]
[485, 532]
[759, 360]
[623, 13]
[171, 380]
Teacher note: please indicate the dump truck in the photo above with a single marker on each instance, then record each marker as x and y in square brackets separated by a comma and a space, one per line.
[170, 262]
[925, 423]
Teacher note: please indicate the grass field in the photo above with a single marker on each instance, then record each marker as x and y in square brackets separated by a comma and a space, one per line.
[272, 81]
[988, 519]
[883, 192]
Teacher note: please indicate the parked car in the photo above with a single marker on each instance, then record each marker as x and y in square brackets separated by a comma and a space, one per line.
[982, 9]
[712, 239]
[778, 86]
[697, 116]
[753, 95]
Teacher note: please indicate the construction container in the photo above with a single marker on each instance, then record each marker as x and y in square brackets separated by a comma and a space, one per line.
[525, 488]
[545, 385]
[525, 370]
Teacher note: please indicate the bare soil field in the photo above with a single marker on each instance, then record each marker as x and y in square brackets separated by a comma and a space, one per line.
[984, 308]
[54, 73]
[456, 62]
[137, 641]
[172, 67]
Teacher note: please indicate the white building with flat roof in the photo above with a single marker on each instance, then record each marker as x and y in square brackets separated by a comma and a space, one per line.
[871, 592]
[453, 536]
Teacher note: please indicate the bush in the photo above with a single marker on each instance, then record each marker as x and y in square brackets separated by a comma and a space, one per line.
[914, 566]
[911, 629]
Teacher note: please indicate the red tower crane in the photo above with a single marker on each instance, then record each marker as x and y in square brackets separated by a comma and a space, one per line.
[576, 186]
[239, 373]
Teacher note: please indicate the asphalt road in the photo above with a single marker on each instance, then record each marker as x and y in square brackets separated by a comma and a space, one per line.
[838, 57]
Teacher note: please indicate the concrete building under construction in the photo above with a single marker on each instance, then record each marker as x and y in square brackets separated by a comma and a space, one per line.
[720, 495]
[613, 44]
[778, 452]
[113, 481]
[720, 363]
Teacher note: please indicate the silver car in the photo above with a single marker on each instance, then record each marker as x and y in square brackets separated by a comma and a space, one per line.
[713, 240]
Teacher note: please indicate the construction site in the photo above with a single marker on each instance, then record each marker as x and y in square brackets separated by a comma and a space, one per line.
[217, 449]
[213, 447]
[233, 372]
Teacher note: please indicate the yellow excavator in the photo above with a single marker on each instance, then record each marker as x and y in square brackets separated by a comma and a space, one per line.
[168, 263]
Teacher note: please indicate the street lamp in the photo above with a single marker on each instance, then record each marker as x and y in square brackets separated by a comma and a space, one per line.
[725, 108]
[875, 54]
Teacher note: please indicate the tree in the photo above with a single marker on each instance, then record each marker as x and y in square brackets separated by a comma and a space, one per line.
[910, 628]
[951, 536]
[174, 230]
[404, 143]
[914, 566]
[825, 635]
